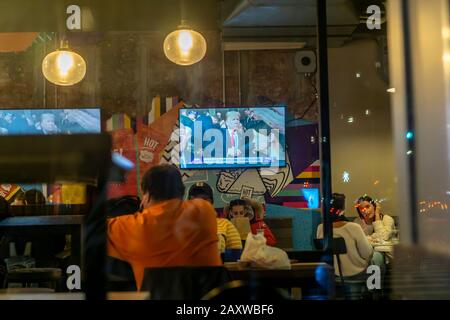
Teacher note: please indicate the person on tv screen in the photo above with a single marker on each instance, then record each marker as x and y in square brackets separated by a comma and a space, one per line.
[215, 121]
[186, 154]
[252, 122]
[47, 123]
[268, 145]
[79, 121]
[267, 126]
[236, 140]
[15, 122]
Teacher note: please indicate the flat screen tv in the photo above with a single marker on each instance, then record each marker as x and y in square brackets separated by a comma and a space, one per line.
[232, 137]
[49, 121]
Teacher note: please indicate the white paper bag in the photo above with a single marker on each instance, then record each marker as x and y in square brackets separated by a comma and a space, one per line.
[263, 256]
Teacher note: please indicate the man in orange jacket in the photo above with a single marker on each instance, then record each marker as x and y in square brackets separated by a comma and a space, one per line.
[168, 232]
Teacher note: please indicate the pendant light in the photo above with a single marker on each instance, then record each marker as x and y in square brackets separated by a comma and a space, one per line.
[184, 46]
[64, 67]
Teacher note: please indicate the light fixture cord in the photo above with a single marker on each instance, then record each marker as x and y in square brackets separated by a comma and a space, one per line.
[56, 87]
[64, 43]
[183, 12]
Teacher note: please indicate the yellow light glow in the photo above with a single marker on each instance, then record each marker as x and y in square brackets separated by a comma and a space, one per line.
[64, 67]
[184, 47]
[445, 33]
[64, 62]
[446, 57]
[185, 41]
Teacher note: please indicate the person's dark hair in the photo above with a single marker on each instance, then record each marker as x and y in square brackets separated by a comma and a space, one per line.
[34, 197]
[337, 201]
[163, 182]
[4, 208]
[337, 206]
[237, 202]
[201, 190]
[253, 209]
[123, 205]
[361, 199]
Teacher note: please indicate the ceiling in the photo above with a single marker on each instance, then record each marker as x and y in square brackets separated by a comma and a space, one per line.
[292, 20]
[239, 20]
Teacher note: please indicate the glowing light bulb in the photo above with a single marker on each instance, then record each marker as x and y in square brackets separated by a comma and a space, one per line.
[64, 67]
[64, 62]
[185, 42]
[184, 46]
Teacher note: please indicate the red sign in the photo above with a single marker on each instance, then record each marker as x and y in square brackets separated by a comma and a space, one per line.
[123, 144]
[151, 144]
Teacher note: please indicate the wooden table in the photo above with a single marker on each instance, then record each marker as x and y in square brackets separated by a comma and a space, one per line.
[302, 275]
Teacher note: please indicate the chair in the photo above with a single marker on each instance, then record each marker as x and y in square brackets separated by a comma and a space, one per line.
[120, 275]
[282, 230]
[238, 290]
[339, 247]
[183, 283]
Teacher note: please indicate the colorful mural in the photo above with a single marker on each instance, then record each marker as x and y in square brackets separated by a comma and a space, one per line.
[296, 185]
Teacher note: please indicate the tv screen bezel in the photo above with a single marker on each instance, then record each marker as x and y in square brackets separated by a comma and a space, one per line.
[204, 166]
[52, 109]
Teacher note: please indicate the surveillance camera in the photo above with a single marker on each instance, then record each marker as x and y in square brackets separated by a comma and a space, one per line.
[305, 61]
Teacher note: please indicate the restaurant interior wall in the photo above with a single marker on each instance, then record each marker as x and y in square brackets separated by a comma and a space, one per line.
[360, 119]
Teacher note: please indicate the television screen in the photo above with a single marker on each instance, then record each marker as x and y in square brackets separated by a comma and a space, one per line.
[312, 197]
[49, 121]
[45, 122]
[232, 137]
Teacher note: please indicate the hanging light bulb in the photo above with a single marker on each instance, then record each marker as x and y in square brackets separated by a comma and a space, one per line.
[64, 67]
[184, 46]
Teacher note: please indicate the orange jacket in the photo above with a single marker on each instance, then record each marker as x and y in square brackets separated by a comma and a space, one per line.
[170, 233]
